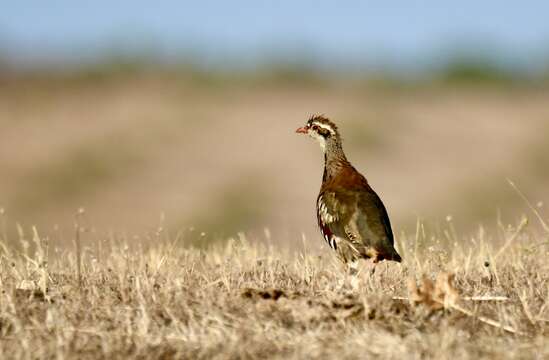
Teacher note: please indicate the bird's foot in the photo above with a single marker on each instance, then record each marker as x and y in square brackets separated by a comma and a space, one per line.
[355, 283]
[352, 269]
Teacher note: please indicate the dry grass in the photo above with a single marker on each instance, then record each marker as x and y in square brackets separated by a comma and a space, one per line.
[251, 298]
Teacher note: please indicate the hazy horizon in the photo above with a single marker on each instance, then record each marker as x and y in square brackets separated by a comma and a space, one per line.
[396, 35]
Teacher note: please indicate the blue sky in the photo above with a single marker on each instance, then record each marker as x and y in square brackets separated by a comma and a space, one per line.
[402, 33]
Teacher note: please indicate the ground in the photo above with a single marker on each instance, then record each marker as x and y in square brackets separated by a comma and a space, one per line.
[254, 298]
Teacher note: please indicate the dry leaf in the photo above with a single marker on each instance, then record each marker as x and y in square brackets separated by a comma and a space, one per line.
[441, 294]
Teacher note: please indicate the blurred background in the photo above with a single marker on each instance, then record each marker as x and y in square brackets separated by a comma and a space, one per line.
[181, 115]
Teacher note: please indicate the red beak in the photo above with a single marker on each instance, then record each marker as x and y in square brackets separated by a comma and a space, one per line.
[302, 130]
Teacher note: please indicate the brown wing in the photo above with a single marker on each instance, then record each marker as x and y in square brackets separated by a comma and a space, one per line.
[374, 226]
[358, 216]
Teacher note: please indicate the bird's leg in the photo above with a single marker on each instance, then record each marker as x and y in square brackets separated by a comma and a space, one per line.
[346, 273]
[373, 268]
[352, 268]
[352, 271]
[350, 276]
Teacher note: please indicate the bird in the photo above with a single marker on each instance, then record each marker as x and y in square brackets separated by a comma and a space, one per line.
[351, 216]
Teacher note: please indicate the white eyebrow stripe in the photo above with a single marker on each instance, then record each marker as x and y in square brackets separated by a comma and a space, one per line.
[325, 127]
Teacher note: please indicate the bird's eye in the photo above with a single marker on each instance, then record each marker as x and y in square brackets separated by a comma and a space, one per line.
[315, 127]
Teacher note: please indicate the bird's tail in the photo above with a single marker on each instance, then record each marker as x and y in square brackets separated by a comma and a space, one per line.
[396, 257]
[393, 255]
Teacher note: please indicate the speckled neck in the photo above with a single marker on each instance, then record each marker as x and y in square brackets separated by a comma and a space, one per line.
[334, 159]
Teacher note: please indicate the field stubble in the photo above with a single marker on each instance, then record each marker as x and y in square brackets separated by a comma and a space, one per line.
[250, 298]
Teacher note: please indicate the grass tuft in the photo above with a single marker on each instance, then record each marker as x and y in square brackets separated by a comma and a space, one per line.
[242, 299]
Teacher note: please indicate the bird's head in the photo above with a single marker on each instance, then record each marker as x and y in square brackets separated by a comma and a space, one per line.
[321, 129]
